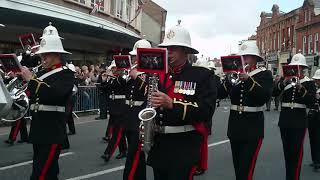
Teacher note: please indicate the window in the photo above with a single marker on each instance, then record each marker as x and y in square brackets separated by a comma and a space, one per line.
[305, 16]
[120, 7]
[310, 44]
[113, 7]
[316, 43]
[129, 9]
[310, 13]
[274, 41]
[81, 1]
[304, 44]
[279, 41]
[100, 4]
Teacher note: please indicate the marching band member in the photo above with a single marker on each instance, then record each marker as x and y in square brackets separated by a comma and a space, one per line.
[118, 110]
[19, 125]
[314, 126]
[49, 91]
[135, 167]
[185, 102]
[293, 117]
[246, 119]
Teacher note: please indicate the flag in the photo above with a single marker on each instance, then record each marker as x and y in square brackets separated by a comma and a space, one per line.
[96, 7]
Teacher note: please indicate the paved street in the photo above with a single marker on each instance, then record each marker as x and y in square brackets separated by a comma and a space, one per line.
[83, 161]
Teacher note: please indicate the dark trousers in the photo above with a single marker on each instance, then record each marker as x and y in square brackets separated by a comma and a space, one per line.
[45, 162]
[276, 102]
[181, 173]
[109, 130]
[118, 139]
[244, 154]
[292, 141]
[19, 125]
[314, 136]
[135, 167]
[103, 105]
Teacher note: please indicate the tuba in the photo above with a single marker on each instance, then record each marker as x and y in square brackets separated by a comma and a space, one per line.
[147, 117]
[18, 106]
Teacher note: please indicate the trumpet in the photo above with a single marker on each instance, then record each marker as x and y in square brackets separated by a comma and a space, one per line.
[125, 73]
[234, 77]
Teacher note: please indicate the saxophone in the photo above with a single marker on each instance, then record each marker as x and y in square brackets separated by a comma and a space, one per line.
[147, 117]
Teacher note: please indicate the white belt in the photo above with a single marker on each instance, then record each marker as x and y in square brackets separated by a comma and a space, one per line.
[113, 97]
[293, 105]
[175, 129]
[42, 107]
[246, 108]
[134, 103]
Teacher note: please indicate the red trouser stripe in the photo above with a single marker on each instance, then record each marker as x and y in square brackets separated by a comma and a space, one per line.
[16, 130]
[254, 160]
[300, 158]
[110, 130]
[193, 170]
[48, 162]
[135, 163]
[203, 165]
[117, 142]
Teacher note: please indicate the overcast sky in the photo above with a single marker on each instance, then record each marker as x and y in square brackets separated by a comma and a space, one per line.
[216, 26]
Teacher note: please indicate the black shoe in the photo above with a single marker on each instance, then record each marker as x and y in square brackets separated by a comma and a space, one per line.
[106, 139]
[23, 141]
[121, 155]
[105, 157]
[9, 141]
[199, 172]
[268, 110]
[312, 165]
[71, 133]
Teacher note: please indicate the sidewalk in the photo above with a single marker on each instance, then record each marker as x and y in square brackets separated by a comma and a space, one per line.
[81, 120]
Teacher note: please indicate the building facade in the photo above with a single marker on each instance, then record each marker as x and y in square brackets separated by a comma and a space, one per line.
[281, 35]
[93, 30]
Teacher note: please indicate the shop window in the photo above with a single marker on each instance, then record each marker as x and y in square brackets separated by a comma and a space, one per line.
[99, 3]
[113, 7]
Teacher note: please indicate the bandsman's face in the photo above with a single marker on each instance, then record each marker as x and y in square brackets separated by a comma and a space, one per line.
[317, 82]
[49, 59]
[251, 60]
[175, 54]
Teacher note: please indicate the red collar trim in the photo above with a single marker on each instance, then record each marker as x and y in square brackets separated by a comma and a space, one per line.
[55, 67]
[177, 69]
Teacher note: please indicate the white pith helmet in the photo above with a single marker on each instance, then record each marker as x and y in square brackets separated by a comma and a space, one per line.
[178, 36]
[139, 44]
[51, 42]
[299, 59]
[250, 48]
[50, 30]
[316, 75]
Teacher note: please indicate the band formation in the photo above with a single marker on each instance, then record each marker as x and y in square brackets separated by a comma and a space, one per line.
[161, 107]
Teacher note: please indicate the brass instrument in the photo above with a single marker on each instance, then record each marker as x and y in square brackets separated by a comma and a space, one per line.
[147, 117]
[20, 103]
[125, 73]
[234, 77]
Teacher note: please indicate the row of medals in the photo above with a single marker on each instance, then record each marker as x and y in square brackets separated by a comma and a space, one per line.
[183, 87]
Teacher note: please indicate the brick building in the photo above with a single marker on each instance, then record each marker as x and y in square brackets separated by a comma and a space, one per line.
[281, 35]
[308, 30]
[276, 36]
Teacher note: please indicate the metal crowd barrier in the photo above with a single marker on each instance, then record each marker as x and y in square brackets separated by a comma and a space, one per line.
[86, 99]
